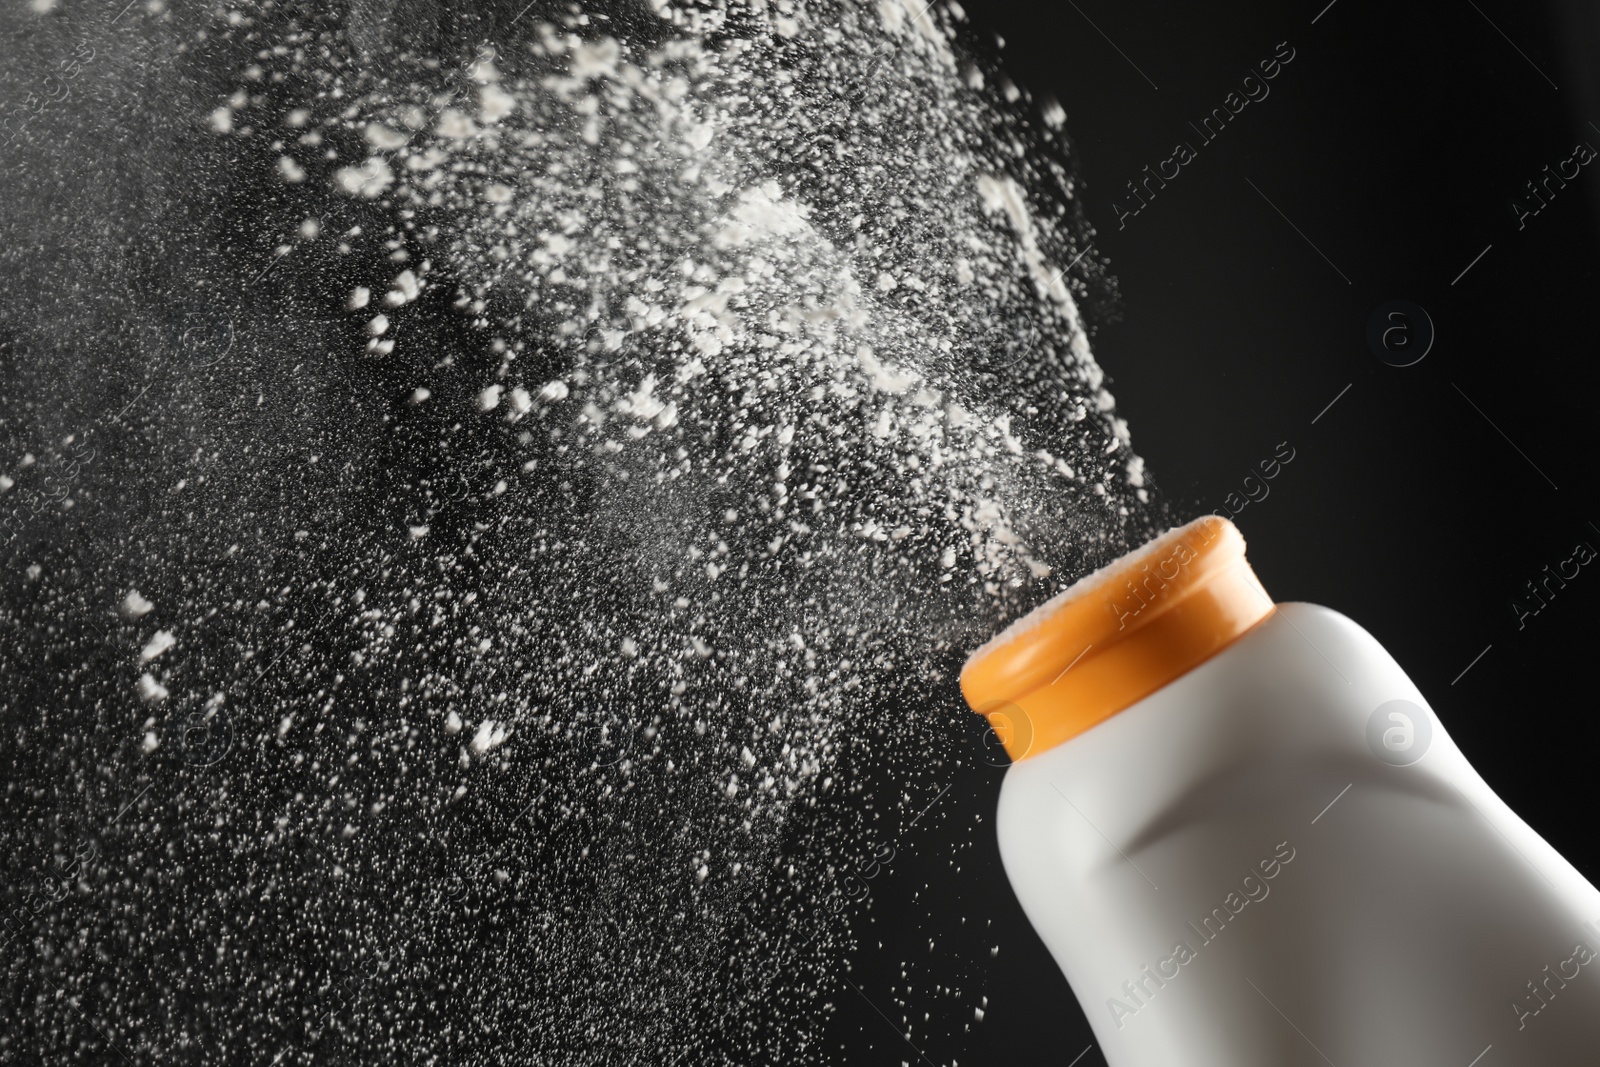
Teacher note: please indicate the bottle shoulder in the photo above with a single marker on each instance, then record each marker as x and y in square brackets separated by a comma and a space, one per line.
[1297, 690]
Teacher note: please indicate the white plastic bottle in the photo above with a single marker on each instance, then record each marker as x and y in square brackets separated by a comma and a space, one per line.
[1248, 841]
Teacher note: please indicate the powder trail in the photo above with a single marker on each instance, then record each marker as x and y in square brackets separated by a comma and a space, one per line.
[572, 447]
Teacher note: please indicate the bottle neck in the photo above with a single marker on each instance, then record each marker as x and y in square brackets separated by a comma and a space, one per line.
[1116, 637]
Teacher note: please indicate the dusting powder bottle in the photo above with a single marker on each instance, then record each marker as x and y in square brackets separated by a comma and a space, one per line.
[1248, 841]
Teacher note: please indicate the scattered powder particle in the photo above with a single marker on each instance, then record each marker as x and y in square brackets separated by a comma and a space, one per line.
[456, 125]
[490, 734]
[158, 644]
[150, 690]
[406, 288]
[135, 606]
[496, 103]
[369, 180]
[834, 417]
[382, 137]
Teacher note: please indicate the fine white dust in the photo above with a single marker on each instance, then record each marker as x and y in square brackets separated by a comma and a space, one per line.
[546, 468]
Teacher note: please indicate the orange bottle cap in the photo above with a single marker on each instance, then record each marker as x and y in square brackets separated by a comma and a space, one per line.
[1116, 636]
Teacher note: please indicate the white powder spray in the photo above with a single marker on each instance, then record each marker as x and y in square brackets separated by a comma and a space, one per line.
[672, 392]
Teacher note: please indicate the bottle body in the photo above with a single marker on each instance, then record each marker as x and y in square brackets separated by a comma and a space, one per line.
[1260, 865]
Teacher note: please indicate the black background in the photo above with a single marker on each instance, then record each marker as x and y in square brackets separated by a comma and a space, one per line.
[1419, 504]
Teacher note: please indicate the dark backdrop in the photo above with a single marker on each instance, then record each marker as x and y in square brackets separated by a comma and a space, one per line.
[1385, 165]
